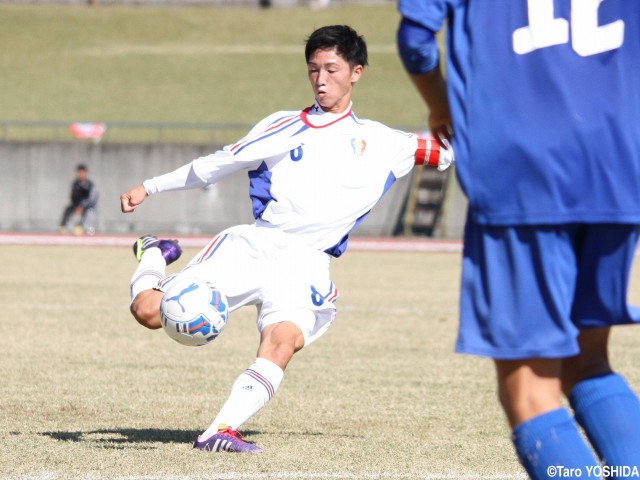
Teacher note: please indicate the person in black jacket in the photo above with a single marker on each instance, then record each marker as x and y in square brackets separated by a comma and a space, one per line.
[84, 198]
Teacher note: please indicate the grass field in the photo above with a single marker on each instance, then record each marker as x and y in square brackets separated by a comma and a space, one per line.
[194, 65]
[88, 394]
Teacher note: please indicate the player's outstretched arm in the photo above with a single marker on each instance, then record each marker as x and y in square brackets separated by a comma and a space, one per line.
[130, 200]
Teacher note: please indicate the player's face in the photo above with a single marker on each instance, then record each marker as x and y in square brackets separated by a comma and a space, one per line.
[332, 79]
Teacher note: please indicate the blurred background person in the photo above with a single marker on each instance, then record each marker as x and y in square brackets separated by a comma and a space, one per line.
[84, 198]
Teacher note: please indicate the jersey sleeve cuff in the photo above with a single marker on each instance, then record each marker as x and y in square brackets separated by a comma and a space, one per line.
[150, 186]
[427, 153]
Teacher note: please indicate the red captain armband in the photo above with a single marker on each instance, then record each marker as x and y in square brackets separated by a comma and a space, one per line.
[428, 153]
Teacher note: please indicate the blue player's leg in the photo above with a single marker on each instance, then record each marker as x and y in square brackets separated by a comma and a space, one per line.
[592, 361]
[604, 404]
[515, 305]
[527, 388]
[544, 433]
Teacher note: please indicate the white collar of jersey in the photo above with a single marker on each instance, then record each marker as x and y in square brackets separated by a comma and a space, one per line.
[316, 117]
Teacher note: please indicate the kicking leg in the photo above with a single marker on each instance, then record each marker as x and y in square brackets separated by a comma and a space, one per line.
[145, 308]
[154, 255]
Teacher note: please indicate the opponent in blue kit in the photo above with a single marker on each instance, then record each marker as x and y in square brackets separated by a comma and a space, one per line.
[314, 175]
[542, 102]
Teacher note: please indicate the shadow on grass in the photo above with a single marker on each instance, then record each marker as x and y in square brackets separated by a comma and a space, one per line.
[125, 437]
[144, 438]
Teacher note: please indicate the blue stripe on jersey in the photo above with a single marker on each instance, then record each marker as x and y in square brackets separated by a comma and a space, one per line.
[340, 247]
[260, 189]
[278, 120]
[269, 135]
[302, 129]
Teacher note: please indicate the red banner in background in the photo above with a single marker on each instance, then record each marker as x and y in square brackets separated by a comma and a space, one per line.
[94, 131]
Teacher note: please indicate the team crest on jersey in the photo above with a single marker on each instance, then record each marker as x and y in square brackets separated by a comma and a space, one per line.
[359, 145]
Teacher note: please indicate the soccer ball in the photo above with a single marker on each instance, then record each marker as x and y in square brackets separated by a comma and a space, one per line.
[193, 312]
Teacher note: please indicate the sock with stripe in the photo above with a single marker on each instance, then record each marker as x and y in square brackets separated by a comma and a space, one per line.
[150, 271]
[250, 392]
[551, 440]
[609, 412]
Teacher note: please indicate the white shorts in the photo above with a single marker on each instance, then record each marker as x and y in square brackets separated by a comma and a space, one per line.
[286, 279]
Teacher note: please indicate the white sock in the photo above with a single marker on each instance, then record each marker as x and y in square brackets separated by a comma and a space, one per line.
[150, 271]
[250, 392]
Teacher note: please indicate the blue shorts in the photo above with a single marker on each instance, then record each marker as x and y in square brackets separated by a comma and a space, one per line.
[527, 290]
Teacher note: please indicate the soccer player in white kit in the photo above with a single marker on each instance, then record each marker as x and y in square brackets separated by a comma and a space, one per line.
[314, 175]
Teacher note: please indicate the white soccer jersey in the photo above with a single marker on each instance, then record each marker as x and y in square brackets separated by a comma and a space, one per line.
[313, 174]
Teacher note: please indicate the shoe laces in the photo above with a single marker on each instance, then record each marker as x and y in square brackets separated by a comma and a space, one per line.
[228, 431]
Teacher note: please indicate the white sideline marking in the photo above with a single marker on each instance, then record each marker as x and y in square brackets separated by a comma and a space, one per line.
[394, 244]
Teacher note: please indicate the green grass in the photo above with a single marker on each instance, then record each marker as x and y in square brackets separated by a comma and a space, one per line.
[194, 65]
[86, 393]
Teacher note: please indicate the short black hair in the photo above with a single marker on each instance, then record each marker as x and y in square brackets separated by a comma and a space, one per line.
[82, 166]
[348, 44]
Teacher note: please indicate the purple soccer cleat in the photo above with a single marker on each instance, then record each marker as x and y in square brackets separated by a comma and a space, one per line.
[226, 440]
[170, 249]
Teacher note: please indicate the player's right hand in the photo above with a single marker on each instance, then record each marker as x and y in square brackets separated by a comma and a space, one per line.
[131, 199]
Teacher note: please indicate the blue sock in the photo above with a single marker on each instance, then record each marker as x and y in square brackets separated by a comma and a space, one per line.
[609, 412]
[552, 441]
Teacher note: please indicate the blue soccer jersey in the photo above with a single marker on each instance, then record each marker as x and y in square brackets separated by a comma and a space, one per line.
[548, 92]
